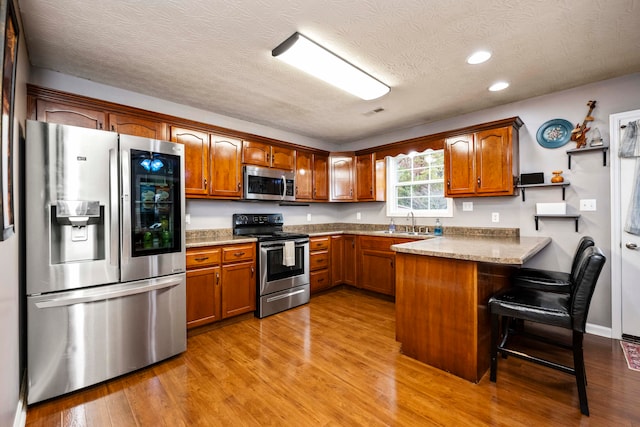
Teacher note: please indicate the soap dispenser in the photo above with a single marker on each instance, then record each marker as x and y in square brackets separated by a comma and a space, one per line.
[392, 226]
[437, 230]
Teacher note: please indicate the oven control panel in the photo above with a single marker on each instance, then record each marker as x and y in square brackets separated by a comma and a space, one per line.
[257, 219]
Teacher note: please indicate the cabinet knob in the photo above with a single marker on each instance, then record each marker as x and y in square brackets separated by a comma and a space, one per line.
[478, 181]
[253, 270]
[205, 183]
[448, 183]
[217, 278]
[239, 186]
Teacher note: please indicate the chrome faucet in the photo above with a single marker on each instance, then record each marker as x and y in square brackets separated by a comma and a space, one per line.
[413, 221]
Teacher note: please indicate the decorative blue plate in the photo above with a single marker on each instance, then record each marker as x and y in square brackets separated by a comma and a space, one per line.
[554, 133]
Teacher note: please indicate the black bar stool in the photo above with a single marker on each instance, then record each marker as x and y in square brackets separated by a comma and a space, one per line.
[564, 310]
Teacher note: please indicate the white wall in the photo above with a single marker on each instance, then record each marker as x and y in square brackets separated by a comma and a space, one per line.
[589, 179]
[10, 330]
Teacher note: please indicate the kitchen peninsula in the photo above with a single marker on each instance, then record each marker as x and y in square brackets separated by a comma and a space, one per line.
[442, 288]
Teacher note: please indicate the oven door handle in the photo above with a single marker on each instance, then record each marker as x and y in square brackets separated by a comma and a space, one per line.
[298, 243]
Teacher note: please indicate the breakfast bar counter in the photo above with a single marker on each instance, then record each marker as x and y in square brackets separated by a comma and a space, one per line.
[442, 288]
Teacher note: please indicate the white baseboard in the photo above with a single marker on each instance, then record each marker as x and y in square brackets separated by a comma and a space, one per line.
[601, 331]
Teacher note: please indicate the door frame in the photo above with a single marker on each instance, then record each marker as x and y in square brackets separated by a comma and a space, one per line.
[616, 222]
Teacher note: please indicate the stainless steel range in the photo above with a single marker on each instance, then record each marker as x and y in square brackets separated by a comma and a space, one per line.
[283, 262]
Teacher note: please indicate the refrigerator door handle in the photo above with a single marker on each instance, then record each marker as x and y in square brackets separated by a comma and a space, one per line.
[155, 284]
[114, 215]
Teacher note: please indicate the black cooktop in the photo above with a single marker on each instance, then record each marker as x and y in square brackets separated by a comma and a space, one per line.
[264, 227]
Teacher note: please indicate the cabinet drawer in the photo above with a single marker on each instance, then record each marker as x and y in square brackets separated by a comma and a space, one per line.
[238, 253]
[197, 258]
[319, 243]
[319, 280]
[318, 260]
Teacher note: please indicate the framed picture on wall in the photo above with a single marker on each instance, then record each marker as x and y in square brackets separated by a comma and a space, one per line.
[9, 59]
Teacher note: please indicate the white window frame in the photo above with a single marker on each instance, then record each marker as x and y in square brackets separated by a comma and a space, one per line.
[393, 210]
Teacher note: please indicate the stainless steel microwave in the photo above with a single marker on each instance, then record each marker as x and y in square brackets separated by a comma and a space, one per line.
[268, 184]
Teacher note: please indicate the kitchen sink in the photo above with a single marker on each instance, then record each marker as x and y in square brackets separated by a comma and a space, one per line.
[406, 233]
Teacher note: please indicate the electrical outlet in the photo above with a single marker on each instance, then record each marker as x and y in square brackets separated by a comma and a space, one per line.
[588, 204]
[187, 218]
[467, 206]
[308, 217]
[495, 217]
[358, 216]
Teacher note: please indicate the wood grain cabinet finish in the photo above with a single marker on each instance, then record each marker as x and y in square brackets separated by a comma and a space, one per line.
[196, 159]
[132, 125]
[225, 167]
[221, 283]
[377, 264]
[213, 165]
[337, 257]
[203, 286]
[312, 176]
[342, 178]
[365, 177]
[483, 163]
[271, 156]
[319, 263]
[349, 272]
[68, 114]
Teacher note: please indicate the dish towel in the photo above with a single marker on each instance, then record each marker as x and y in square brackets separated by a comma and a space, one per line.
[289, 254]
[630, 147]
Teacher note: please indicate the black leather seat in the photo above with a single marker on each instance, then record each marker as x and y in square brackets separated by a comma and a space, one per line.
[548, 280]
[564, 310]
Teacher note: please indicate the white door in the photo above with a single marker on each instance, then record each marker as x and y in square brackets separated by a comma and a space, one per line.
[626, 256]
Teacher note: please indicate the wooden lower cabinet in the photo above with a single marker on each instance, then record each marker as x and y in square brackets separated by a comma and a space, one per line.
[319, 263]
[337, 257]
[350, 260]
[221, 283]
[376, 264]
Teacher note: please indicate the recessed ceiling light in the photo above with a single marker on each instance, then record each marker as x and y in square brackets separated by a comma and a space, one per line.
[498, 86]
[479, 57]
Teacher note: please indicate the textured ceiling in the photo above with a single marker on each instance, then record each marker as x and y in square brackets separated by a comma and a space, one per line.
[216, 55]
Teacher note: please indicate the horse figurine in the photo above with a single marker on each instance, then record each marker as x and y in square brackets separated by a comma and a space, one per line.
[579, 134]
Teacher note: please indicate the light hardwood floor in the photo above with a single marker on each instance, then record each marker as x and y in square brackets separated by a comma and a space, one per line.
[335, 362]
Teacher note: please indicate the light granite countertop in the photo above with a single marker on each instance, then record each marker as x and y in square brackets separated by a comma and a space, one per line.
[498, 250]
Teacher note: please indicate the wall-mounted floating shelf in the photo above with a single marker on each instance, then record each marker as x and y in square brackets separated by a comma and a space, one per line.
[569, 216]
[553, 184]
[602, 148]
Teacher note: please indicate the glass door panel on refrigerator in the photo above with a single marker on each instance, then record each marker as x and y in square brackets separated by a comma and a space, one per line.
[152, 208]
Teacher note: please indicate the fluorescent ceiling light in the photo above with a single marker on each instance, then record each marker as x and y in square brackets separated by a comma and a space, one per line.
[479, 57]
[312, 58]
[498, 86]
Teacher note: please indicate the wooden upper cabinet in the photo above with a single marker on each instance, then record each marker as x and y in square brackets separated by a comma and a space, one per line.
[484, 163]
[342, 178]
[196, 159]
[304, 175]
[226, 167]
[261, 154]
[282, 158]
[459, 165]
[53, 112]
[132, 125]
[493, 151]
[256, 153]
[365, 177]
[320, 177]
[381, 180]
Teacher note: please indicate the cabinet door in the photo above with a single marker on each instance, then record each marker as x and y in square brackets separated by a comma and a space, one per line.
[282, 158]
[337, 257]
[238, 288]
[377, 272]
[365, 177]
[203, 296]
[304, 175]
[493, 161]
[196, 159]
[131, 125]
[342, 178]
[459, 165]
[226, 167]
[320, 177]
[349, 264]
[63, 114]
[256, 153]
[381, 180]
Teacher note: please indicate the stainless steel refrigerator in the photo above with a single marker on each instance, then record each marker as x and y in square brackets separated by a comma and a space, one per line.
[105, 249]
